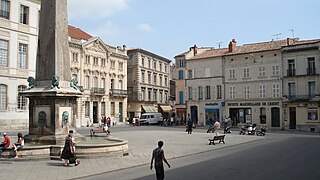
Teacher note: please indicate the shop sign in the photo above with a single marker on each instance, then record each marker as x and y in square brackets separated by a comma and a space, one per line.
[254, 104]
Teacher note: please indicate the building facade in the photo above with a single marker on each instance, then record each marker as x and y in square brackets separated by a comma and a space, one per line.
[101, 72]
[19, 21]
[180, 76]
[148, 83]
[301, 86]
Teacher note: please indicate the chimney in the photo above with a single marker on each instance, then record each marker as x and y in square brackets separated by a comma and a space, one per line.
[232, 45]
[194, 49]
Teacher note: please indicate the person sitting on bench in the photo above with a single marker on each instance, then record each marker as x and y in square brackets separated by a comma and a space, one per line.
[5, 144]
[18, 145]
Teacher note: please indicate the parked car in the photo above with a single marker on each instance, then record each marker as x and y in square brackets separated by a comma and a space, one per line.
[151, 118]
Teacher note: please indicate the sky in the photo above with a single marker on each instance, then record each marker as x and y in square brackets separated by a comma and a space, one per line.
[170, 27]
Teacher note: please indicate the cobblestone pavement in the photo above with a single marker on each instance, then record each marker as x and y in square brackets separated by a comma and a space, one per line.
[141, 143]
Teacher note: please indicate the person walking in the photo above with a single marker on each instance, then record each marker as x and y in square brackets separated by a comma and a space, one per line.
[68, 152]
[158, 157]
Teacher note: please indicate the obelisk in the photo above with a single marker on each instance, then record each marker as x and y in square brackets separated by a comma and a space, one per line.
[52, 96]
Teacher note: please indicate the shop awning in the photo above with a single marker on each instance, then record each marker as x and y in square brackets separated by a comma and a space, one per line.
[149, 108]
[166, 108]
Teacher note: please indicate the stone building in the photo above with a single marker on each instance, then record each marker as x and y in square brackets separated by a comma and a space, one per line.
[180, 76]
[148, 83]
[301, 85]
[19, 21]
[101, 71]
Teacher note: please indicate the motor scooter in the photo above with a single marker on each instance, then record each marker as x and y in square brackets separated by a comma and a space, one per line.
[262, 131]
[227, 129]
[252, 129]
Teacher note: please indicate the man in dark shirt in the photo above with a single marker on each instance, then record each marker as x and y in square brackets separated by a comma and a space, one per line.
[158, 157]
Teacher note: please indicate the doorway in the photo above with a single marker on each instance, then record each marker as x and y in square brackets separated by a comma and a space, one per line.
[275, 117]
[95, 112]
[194, 114]
[292, 115]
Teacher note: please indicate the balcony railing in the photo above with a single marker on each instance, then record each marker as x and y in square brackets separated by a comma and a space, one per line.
[311, 71]
[291, 72]
[118, 92]
[98, 91]
[293, 98]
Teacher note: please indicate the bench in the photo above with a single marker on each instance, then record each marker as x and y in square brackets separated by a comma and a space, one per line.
[216, 138]
[98, 130]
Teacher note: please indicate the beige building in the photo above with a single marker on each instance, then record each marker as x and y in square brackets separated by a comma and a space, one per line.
[301, 85]
[19, 21]
[148, 83]
[180, 76]
[101, 71]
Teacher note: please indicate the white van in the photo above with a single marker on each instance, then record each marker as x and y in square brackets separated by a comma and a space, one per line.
[151, 118]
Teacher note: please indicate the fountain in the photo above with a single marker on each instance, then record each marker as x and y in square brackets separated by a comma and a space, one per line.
[52, 93]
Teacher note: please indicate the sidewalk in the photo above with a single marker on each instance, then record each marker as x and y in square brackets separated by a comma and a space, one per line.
[141, 144]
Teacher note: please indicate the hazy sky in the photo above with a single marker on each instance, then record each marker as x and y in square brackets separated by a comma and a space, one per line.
[170, 27]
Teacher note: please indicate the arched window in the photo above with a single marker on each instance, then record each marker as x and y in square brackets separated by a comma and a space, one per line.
[22, 100]
[3, 97]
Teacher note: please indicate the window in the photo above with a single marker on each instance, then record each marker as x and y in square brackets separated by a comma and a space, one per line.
[160, 79]
[87, 108]
[103, 62]
[166, 97]
[262, 71]
[181, 63]
[87, 59]
[190, 93]
[262, 90]
[22, 63]
[292, 90]
[208, 92]
[24, 14]
[155, 95]
[95, 82]
[291, 68]
[3, 97]
[232, 92]
[103, 108]
[149, 94]
[275, 70]
[4, 49]
[160, 66]
[113, 105]
[95, 61]
[161, 96]
[180, 74]
[165, 81]
[149, 78]
[86, 82]
[219, 92]
[112, 64]
[200, 92]
[155, 65]
[246, 92]
[276, 90]
[312, 89]
[22, 100]
[142, 60]
[190, 74]
[181, 97]
[112, 84]
[246, 72]
[154, 79]
[142, 94]
[142, 76]
[120, 66]
[165, 68]
[120, 85]
[103, 83]
[149, 63]
[5, 9]
[74, 57]
[311, 66]
[232, 73]
[263, 119]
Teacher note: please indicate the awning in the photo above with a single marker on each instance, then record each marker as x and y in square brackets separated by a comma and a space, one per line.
[166, 108]
[149, 108]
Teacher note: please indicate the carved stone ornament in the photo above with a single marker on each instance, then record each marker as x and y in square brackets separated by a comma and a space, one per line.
[32, 82]
[55, 82]
[74, 83]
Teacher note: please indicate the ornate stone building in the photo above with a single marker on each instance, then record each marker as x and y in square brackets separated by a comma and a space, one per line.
[101, 71]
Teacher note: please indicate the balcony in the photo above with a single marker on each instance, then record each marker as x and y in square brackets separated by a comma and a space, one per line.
[118, 93]
[311, 71]
[98, 91]
[291, 72]
[297, 98]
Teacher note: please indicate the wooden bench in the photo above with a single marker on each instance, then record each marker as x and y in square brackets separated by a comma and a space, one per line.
[98, 130]
[216, 138]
